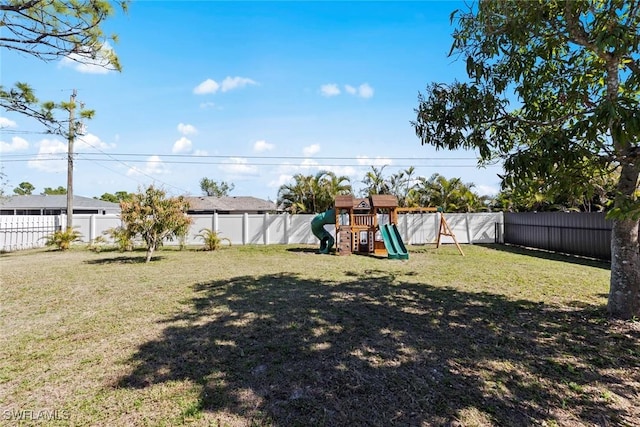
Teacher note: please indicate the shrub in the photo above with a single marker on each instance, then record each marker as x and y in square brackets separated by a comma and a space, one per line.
[97, 244]
[122, 238]
[62, 239]
[212, 239]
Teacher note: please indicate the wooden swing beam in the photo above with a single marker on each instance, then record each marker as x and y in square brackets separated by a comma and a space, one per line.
[444, 229]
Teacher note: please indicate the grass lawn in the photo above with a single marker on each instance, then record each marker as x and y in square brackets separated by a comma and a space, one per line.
[282, 336]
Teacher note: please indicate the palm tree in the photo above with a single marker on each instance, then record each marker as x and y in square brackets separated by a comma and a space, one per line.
[375, 182]
[452, 195]
[312, 193]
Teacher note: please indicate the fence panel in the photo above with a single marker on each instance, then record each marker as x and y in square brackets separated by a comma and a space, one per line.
[576, 233]
[26, 231]
[23, 232]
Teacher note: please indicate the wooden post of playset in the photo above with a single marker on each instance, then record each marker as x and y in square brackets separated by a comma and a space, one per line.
[388, 203]
[344, 234]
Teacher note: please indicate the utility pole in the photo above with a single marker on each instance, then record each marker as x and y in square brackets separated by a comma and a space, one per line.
[71, 138]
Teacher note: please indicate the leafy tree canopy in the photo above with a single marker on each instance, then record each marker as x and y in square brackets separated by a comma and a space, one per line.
[54, 191]
[155, 217]
[213, 188]
[49, 30]
[554, 88]
[24, 189]
[312, 193]
[115, 198]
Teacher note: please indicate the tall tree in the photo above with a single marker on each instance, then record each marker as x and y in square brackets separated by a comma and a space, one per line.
[115, 198]
[54, 191]
[3, 183]
[452, 195]
[573, 70]
[375, 182]
[312, 193]
[213, 188]
[24, 189]
[49, 30]
[155, 217]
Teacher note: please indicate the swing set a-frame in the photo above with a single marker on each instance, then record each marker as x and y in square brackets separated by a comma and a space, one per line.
[443, 229]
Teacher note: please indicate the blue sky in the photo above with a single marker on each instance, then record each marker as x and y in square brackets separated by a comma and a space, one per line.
[249, 93]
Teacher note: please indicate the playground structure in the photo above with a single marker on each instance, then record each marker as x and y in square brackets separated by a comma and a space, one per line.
[358, 229]
[369, 226]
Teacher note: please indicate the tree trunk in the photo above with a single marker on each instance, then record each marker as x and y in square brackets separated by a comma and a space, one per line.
[624, 291]
[150, 249]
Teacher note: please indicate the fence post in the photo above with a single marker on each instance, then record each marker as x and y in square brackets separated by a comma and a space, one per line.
[265, 231]
[214, 225]
[245, 228]
[287, 221]
[92, 228]
[469, 234]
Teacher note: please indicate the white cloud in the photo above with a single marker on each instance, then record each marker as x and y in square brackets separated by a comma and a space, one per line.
[84, 62]
[200, 153]
[7, 123]
[51, 157]
[205, 105]
[305, 167]
[207, 86]
[153, 166]
[16, 144]
[309, 163]
[91, 142]
[486, 190]
[262, 145]
[330, 89]
[282, 179]
[311, 149]
[349, 171]
[230, 83]
[183, 145]
[378, 161]
[365, 91]
[187, 129]
[362, 91]
[238, 166]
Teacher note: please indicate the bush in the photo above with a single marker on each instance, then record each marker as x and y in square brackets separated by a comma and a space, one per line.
[63, 239]
[97, 244]
[122, 238]
[212, 239]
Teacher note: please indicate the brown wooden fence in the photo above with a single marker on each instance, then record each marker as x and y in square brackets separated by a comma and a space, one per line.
[577, 233]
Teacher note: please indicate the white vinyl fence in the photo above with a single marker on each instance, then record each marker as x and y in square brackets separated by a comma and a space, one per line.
[25, 231]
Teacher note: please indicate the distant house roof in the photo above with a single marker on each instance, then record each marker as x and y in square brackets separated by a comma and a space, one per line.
[239, 204]
[55, 204]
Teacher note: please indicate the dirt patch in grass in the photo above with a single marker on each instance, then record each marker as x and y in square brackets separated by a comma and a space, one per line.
[281, 336]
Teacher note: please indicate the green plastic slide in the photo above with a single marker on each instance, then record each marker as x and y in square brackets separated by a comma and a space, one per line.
[317, 228]
[393, 242]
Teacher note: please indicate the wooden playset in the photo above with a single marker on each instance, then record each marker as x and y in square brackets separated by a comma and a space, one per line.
[369, 226]
[357, 228]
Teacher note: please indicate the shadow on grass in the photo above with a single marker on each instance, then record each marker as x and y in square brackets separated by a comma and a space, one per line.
[375, 349]
[540, 253]
[306, 250]
[132, 259]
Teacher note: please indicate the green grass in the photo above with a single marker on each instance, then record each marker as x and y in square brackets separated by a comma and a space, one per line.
[282, 336]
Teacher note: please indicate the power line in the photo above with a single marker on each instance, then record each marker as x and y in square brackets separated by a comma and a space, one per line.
[130, 167]
[238, 156]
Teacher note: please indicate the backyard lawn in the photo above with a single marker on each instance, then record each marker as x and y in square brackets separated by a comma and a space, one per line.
[282, 336]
